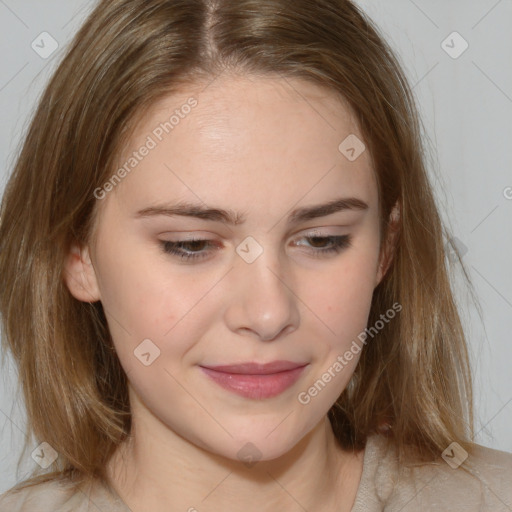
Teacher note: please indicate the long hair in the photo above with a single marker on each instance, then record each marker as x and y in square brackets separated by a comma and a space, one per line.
[413, 378]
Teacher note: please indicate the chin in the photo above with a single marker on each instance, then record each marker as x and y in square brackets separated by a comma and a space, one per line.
[253, 442]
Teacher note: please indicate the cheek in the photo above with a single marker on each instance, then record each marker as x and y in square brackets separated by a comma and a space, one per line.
[157, 309]
[343, 301]
[344, 295]
[140, 301]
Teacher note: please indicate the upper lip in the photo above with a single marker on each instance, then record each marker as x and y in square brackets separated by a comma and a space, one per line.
[251, 368]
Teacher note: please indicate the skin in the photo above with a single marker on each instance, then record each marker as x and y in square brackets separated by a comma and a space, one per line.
[260, 147]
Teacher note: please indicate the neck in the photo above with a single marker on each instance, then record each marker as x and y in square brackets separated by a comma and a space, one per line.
[156, 470]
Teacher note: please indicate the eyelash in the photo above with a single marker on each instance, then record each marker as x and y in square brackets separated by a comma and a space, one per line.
[339, 242]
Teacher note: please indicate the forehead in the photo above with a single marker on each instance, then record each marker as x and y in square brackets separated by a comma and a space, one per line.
[259, 106]
[248, 140]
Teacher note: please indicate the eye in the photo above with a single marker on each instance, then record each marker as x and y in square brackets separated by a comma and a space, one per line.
[186, 249]
[328, 244]
[196, 248]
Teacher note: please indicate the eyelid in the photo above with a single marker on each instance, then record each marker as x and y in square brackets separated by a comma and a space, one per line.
[338, 243]
[212, 239]
[203, 235]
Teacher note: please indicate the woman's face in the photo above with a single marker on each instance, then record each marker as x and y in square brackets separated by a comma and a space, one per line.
[288, 282]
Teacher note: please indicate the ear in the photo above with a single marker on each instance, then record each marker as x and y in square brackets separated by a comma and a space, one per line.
[389, 246]
[80, 276]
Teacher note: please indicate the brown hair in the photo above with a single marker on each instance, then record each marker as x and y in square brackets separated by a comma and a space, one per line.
[414, 376]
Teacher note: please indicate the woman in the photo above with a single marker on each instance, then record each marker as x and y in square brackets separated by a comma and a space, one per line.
[232, 276]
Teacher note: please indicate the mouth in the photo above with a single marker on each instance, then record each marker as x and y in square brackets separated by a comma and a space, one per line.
[255, 380]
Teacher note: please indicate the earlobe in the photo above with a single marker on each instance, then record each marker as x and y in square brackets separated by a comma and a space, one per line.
[80, 276]
[389, 246]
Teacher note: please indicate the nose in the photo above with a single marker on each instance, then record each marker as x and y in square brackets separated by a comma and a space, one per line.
[262, 302]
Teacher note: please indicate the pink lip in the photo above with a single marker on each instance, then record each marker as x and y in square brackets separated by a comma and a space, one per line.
[253, 380]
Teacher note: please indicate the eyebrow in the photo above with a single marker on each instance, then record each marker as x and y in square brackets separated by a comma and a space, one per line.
[199, 211]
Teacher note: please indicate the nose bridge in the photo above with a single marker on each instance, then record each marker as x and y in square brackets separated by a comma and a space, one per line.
[262, 301]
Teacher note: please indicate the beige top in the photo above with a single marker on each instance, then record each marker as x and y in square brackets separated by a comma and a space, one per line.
[433, 486]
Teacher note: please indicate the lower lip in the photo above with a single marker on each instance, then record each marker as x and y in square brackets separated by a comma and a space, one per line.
[255, 386]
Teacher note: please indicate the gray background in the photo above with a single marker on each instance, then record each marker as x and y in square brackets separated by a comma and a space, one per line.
[466, 104]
